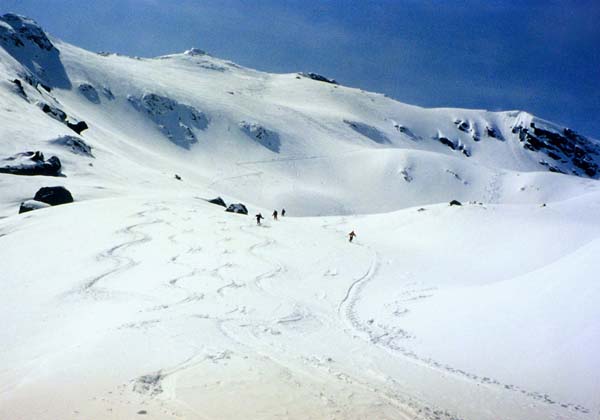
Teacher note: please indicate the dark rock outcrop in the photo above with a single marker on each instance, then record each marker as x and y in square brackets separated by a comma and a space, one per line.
[237, 208]
[493, 132]
[219, 202]
[53, 196]
[78, 127]
[31, 163]
[446, 141]
[565, 147]
[455, 203]
[319, 78]
[31, 205]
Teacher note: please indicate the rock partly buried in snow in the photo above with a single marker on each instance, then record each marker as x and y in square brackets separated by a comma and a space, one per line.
[219, 202]
[31, 163]
[90, 93]
[53, 195]
[455, 203]
[368, 131]
[454, 145]
[52, 111]
[74, 145]
[265, 137]
[175, 120]
[31, 205]
[18, 86]
[319, 78]
[237, 208]
[108, 93]
[60, 115]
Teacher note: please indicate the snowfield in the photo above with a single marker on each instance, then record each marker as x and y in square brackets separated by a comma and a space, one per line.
[143, 300]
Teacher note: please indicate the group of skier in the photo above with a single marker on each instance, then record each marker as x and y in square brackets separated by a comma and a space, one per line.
[260, 217]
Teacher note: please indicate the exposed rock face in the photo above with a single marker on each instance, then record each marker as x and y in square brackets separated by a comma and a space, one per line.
[53, 196]
[30, 205]
[218, 201]
[319, 78]
[265, 137]
[175, 120]
[74, 145]
[20, 30]
[455, 203]
[31, 163]
[563, 147]
[237, 208]
[368, 131]
[90, 93]
[26, 42]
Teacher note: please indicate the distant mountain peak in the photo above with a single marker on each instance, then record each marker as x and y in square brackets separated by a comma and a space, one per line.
[194, 52]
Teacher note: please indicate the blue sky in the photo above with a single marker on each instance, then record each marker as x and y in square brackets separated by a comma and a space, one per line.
[539, 56]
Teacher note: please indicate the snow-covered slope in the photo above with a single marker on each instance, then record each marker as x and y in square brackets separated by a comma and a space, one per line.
[271, 139]
[141, 297]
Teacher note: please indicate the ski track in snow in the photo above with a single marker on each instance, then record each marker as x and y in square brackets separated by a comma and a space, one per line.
[346, 310]
[152, 384]
[117, 254]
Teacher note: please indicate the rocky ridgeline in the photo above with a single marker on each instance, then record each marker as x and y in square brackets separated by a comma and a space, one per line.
[569, 152]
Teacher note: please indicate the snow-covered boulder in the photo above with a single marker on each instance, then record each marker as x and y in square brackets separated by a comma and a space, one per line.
[31, 163]
[237, 208]
[74, 145]
[30, 205]
[53, 196]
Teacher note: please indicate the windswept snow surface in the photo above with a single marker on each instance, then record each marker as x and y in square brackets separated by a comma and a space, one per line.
[141, 298]
[172, 306]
